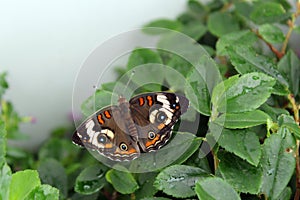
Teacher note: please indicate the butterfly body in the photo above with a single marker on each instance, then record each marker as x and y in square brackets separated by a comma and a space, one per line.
[122, 132]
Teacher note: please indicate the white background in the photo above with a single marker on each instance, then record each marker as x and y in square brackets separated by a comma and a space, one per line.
[44, 43]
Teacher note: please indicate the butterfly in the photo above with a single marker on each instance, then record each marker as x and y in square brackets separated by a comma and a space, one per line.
[122, 132]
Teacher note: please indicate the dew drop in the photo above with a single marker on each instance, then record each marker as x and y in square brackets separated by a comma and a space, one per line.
[154, 164]
[86, 187]
[270, 172]
[175, 179]
[99, 174]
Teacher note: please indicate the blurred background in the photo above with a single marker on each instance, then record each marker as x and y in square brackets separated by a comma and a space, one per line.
[44, 43]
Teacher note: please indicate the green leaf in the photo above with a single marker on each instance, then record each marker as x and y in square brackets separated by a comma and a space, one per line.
[268, 12]
[179, 180]
[147, 188]
[273, 112]
[200, 83]
[108, 86]
[197, 8]
[22, 183]
[12, 120]
[188, 17]
[3, 84]
[242, 120]
[185, 47]
[243, 9]
[16, 152]
[60, 149]
[155, 198]
[190, 115]
[278, 162]
[285, 3]
[123, 182]
[162, 23]
[296, 29]
[271, 33]
[141, 56]
[209, 50]
[289, 122]
[240, 174]
[43, 192]
[194, 29]
[243, 37]
[246, 60]
[285, 194]
[53, 173]
[148, 68]
[2, 143]
[215, 188]
[221, 23]
[178, 150]
[197, 92]
[243, 143]
[193, 146]
[176, 75]
[5, 180]
[198, 160]
[289, 66]
[91, 179]
[244, 93]
[95, 196]
[107, 95]
[97, 101]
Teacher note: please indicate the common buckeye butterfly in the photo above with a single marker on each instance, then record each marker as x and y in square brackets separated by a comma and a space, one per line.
[122, 132]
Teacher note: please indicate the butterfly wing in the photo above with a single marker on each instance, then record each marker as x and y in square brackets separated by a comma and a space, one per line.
[105, 132]
[155, 115]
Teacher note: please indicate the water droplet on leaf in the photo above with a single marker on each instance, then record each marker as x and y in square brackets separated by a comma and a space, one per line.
[86, 187]
[270, 172]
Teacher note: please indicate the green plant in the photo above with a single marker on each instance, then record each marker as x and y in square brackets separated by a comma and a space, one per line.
[251, 112]
[24, 184]
[255, 104]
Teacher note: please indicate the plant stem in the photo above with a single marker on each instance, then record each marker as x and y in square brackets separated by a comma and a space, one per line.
[226, 6]
[295, 107]
[278, 54]
[216, 162]
[297, 193]
[132, 196]
[291, 24]
[296, 117]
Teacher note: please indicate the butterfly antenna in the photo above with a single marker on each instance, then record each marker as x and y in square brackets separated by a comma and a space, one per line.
[127, 84]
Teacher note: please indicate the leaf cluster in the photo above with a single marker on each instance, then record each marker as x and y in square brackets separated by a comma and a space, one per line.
[245, 90]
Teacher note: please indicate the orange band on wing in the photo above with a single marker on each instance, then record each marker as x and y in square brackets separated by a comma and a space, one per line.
[151, 142]
[108, 146]
[131, 151]
[150, 101]
[100, 120]
[107, 114]
[141, 100]
[161, 126]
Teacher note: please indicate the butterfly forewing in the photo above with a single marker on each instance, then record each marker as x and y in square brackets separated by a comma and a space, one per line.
[105, 132]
